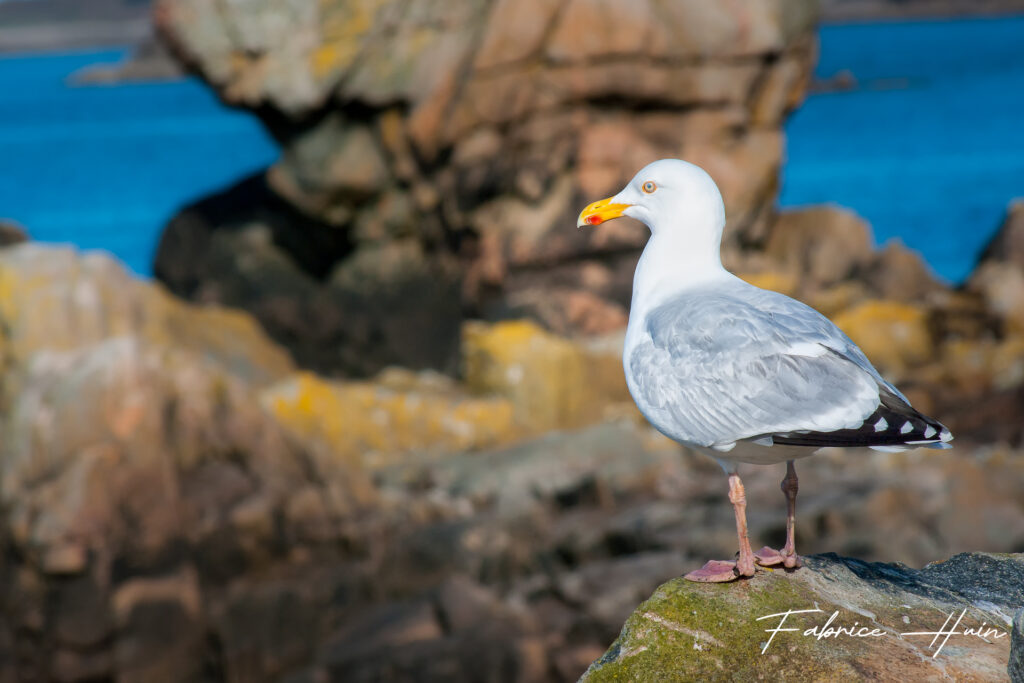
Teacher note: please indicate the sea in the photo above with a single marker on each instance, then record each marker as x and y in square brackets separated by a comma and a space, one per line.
[922, 134]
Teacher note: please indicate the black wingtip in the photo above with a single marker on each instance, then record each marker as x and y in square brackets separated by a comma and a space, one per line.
[894, 426]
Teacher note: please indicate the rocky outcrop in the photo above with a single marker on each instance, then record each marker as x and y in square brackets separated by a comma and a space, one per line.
[11, 233]
[177, 502]
[433, 161]
[855, 621]
[137, 466]
[54, 300]
[149, 61]
[999, 276]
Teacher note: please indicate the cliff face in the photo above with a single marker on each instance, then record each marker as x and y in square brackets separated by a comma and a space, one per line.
[439, 151]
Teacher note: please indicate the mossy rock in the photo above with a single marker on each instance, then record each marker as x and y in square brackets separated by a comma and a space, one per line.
[710, 632]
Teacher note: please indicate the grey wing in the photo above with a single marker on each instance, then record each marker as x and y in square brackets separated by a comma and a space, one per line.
[721, 366]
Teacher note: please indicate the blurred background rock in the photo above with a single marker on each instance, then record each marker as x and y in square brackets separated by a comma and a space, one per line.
[369, 421]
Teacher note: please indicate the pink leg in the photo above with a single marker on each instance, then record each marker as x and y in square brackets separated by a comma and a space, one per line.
[790, 485]
[738, 498]
[769, 557]
[717, 571]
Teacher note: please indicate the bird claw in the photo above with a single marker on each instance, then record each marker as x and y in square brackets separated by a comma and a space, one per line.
[714, 571]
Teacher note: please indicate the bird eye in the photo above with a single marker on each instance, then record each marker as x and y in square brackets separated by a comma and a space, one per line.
[648, 187]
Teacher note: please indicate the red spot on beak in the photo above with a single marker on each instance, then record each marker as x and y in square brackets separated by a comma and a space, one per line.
[593, 220]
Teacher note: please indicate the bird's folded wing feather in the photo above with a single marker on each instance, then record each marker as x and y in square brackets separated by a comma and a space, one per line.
[724, 365]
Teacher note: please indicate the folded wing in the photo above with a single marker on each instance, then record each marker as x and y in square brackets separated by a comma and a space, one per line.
[740, 363]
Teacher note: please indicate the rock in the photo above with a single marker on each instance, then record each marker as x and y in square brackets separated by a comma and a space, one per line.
[409, 642]
[463, 604]
[609, 590]
[820, 245]
[515, 31]
[373, 423]
[149, 61]
[572, 466]
[118, 404]
[171, 516]
[551, 382]
[694, 631]
[893, 335]
[1016, 667]
[457, 143]
[57, 300]
[565, 311]
[338, 309]
[137, 464]
[896, 272]
[1001, 284]
[999, 274]
[159, 635]
[781, 92]
[340, 160]
[1008, 243]
[989, 416]
[11, 233]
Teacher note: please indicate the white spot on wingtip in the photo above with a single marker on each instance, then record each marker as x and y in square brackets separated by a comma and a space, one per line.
[881, 425]
[906, 428]
[929, 432]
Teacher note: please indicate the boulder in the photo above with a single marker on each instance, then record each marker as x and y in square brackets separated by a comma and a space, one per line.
[375, 423]
[821, 245]
[551, 382]
[893, 335]
[149, 61]
[896, 272]
[337, 308]
[434, 160]
[837, 618]
[137, 466]
[54, 299]
[1008, 243]
[11, 233]
[999, 275]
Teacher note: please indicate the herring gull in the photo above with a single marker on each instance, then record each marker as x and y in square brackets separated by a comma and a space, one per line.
[739, 373]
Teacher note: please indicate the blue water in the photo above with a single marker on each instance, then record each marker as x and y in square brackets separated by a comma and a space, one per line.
[107, 166]
[930, 149]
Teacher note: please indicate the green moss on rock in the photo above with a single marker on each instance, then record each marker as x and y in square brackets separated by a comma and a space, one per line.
[707, 632]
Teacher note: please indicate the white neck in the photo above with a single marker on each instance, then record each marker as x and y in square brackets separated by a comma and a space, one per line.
[675, 260]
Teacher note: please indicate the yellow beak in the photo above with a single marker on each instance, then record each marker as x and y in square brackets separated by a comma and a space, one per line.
[601, 211]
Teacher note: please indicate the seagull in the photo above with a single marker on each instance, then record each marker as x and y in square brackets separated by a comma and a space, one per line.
[742, 374]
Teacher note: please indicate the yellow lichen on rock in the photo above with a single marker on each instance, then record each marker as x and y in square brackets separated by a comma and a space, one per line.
[552, 382]
[342, 31]
[775, 280]
[56, 299]
[893, 335]
[372, 422]
[972, 366]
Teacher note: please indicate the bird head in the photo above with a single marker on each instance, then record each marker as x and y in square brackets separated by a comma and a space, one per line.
[669, 194]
